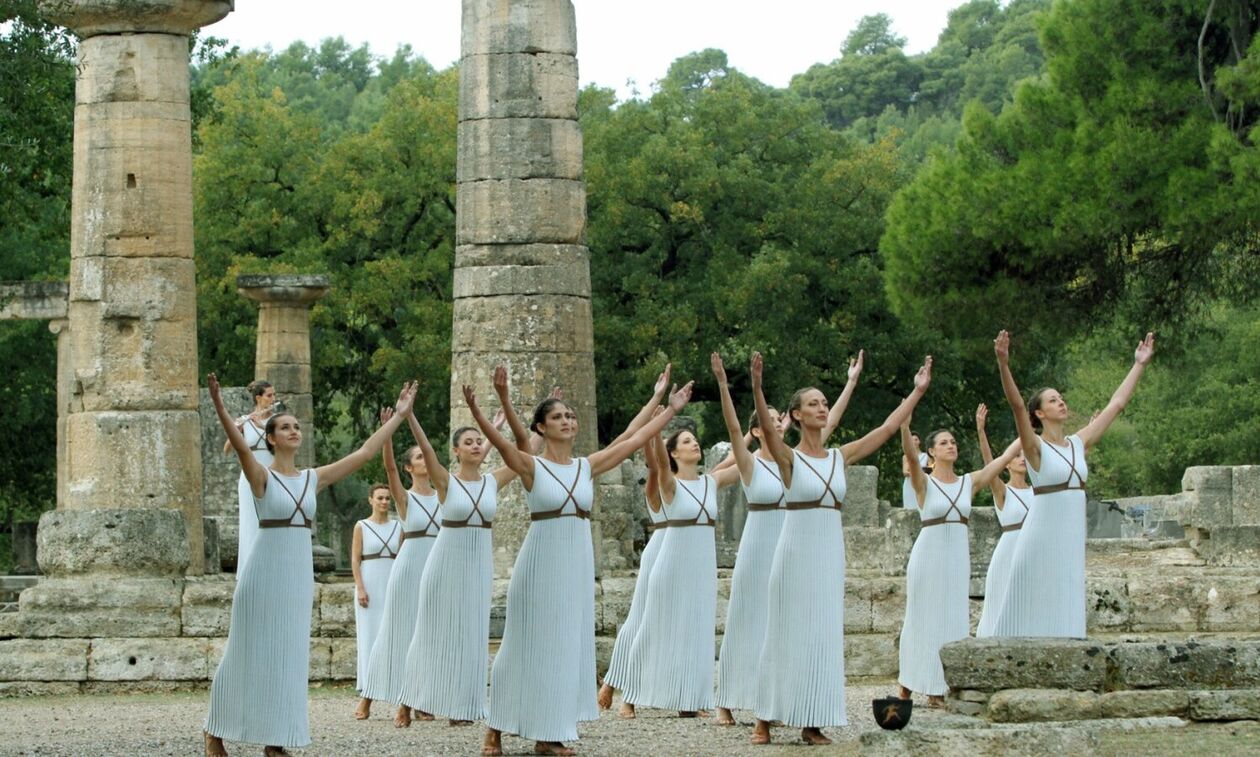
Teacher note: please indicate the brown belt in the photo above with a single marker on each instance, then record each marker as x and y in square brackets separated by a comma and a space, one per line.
[814, 504]
[282, 523]
[417, 534]
[377, 557]
[553, 514]
[942, 521]
[1064, 487]
[756, 507]
[1012, 527]
[685, 523]
[463, 524]
[656, 526]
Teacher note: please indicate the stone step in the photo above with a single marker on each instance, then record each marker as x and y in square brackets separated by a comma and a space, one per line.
[1043, 738]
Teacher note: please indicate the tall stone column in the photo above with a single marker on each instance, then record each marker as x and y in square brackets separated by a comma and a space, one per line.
[283, 352]
[131, 525]
[522, 293]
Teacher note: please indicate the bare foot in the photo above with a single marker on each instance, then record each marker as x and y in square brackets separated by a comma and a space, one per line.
[936, 702]
[604, 698]
[903, 692]
[364, 710]
[724, 717]
[420, 714]
[454, 722]
[627, 711]
[761, 732]
[814, 737]
[214, 746]
[402, 719]
[552, 747]
[493, 744]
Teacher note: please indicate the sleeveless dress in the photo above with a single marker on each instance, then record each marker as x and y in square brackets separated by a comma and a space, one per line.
[402, 599]
[1046, 595]
[380, 547]
[259, 690]
[543, 680]
[746, 612]
[674, 645]
[938, 579]
[909, 500]
[445, 670]
[1011, 519]
[248, 518]
[623, 667]
[801, 674]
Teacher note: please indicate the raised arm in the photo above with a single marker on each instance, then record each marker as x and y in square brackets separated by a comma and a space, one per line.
[651, 455]
[856, 450]
[1023, 424]
[520, 463]
[739, 447]
[1090, 435]
[255, 473]
[334, 472]
[837, 410]
[396, 489]
[519, 433]
[646, 413]
[994, 468]
[986, 453]
[911, 451]
[779, 450]
[612, 455]
[438, 475]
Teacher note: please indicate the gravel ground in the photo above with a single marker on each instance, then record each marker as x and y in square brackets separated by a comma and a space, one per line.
[170, 724]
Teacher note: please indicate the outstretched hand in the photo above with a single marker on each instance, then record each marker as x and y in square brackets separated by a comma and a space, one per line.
[855, 365]
[1002, 346]
[982, 416]
[470, 396]
[679, 398]
[501, 381]
[662, 381]
[557, 393]
[1145, 349]
[923, 378]
[755, 369]
[406, 399]
[386, 414]
[212, 384]
[499, 419]
[719, 370]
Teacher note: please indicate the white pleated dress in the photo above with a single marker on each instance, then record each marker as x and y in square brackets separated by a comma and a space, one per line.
[801, 674]
[384, 679]
[543, 679]
[674, 645]
[259, 690]
[380, 548]
[908, 497]
[623, 666]
[1046, 595]
[1011, 518]
[750, 581]
[247, 532]
[445, 670]
[938, 578]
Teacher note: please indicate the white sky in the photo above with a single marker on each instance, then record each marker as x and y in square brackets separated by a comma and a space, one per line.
[618, 41]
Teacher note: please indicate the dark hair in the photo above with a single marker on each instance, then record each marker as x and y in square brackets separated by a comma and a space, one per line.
[258, 388]
[372, 491]
[671, 443]
[753, 421]
[931, 439]
[1034, 404]
[270, 429]
[541, 411]
[410, 453]
[795, 402]
[458, 433]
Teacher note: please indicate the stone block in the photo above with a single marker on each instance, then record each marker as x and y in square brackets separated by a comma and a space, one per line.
[518, 26]
[1211, 489]
[1234, 546]
[519, 148]
[1107, 606]
[344, 664]
[888, 604]
[138, 460]
[995, 664]
[1161, 602]
[1246, 495]
[321, 660]
[983, 533]
[857, 606]
[289, 378]
[148, 659]
[571, 280]
[1042, 705]
[1232, 602]
[521, 211]
[44, 660]
[1141, 704]
[141, 288]
[207, 606]
[336, 610]
[603, 653]
[1240, 704]
[871, 655]
[1007, 741]
[101, 607]
[518, 85]
[283, 348]
[861, 506]
[229, 529]
[616, 597]
[23, 689]
[476, 255]
[1176, 665]
[133, 68]
[540, 323]
[146, 542]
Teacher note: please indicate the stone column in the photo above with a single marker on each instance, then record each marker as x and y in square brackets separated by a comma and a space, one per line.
[283, 352]
[522, 275]
[131, 525]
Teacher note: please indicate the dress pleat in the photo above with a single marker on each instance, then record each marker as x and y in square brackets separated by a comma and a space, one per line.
[259, 691]
[998, 577]
[380, 549]
[248, 516]
[623, 666]
[384, 679]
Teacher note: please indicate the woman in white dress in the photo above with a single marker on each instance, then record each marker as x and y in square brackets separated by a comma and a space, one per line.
[801, 673]
[938, 574]
[259, 690]
[251, 427]
[1046, 595]
[373, 549]
[444, 673]
[418, 511]
[924, 463]
[1012, 502]
[543, 680]
[763, 491]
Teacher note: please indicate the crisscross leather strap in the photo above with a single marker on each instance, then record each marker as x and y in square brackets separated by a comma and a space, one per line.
[1020, 499]
[1072, 471]
[476, 508]
[754, 507]
[385, 552]
[814, 504]
[260, 444]
[953, 504]
[578, 512]
[430, 528]
[703, 513]
[297, 505]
